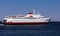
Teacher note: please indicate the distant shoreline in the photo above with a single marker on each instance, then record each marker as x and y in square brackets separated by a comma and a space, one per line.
[54, 21]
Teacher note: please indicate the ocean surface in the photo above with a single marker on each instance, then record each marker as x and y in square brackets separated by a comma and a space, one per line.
[51, 29]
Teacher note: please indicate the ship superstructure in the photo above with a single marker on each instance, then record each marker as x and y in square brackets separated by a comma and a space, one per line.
[30, 18]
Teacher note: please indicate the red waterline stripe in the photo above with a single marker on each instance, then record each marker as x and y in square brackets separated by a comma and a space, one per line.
[23, 23]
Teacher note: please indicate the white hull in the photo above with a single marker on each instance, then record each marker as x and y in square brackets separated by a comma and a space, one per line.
[27, 21]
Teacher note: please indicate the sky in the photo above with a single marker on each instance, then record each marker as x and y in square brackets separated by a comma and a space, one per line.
[47, 8]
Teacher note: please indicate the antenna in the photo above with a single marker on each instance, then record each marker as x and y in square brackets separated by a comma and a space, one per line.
[39, 13]
[33, 11]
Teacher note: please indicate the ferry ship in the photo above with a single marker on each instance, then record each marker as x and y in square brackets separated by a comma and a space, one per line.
[30, 18]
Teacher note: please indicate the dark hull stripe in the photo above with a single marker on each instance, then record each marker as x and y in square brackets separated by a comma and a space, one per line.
[24, 23]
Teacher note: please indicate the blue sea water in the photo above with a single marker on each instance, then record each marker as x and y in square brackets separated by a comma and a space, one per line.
[51, 29]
